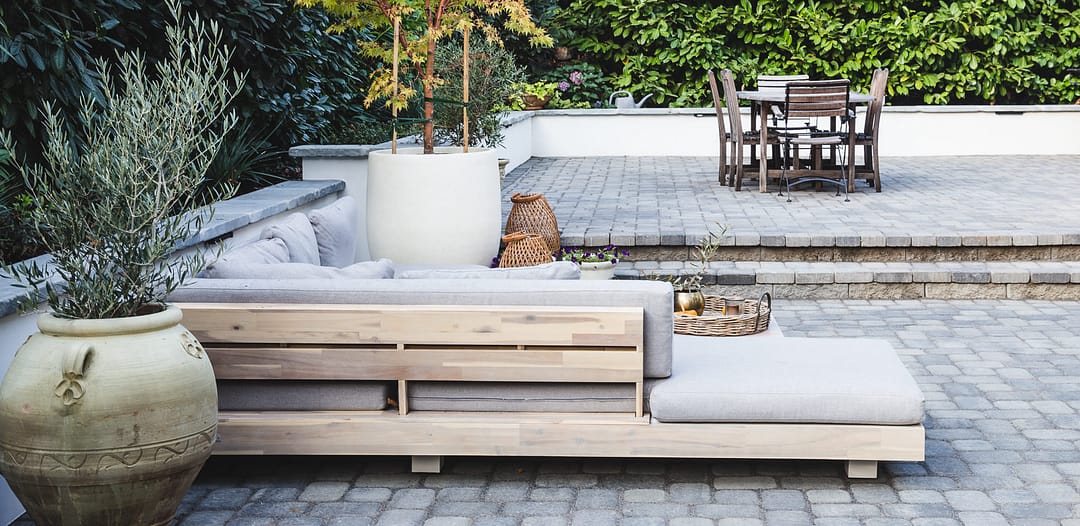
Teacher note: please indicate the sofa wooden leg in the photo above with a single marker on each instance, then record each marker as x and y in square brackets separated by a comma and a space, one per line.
[857, 469]
[426, 464]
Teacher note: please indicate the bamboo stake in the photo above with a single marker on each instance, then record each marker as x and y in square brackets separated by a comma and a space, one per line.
[393, 107]
[465, 96]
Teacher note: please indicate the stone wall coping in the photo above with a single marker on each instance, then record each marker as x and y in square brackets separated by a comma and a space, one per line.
[228, 216]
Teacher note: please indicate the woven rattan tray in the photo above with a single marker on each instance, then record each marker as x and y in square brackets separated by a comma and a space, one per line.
[752, 317]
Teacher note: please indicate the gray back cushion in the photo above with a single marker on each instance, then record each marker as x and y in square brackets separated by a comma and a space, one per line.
[335, 232]
[298, 235]
[653, 296]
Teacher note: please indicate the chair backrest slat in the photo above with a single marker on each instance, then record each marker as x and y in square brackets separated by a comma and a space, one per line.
[718, 105]
[877, 88]
[765, 82]
[732, 100]
[816, 98]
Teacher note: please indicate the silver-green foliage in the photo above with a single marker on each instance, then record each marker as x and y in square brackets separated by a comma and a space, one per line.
[112, 211]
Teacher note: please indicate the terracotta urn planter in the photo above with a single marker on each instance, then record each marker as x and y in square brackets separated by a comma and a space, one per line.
[106, 421]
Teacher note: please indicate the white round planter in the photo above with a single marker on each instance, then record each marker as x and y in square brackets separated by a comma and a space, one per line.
[442, 208]
[597, 270]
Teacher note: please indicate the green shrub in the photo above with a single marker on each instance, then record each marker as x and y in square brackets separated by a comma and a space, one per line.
[111, 211]
[974, 52]
[580, 83]
[492, 75]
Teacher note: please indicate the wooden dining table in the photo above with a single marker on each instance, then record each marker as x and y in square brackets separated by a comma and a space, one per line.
[764, 100]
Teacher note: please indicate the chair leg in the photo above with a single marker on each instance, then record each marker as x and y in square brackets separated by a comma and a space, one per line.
[722, 170]
[877, 169]
[737, 168]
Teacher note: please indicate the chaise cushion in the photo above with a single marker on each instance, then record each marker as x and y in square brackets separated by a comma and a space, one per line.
[381, 269]
[305, 395]
[335, 232]
[553, 270]
[787, 380]
[298, 235]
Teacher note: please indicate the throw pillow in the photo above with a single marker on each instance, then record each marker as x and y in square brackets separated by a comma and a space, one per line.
[335, 232]
[298, 235]
[260, 252]
[553, 270]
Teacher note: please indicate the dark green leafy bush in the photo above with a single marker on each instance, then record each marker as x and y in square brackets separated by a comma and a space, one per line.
[938, 52]
[580, 83]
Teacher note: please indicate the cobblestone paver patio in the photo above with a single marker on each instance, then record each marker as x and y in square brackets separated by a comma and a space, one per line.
[1002, 382]
[662, 200]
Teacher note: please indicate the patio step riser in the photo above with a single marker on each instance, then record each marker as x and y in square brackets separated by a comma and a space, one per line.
[904, 291]
[863, 254]
[892, 280]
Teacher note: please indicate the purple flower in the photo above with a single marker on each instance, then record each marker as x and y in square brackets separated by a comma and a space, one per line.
[577, 78]
[563, 86]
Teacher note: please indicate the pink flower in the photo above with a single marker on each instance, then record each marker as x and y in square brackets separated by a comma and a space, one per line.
[563, 86]
[577, 78]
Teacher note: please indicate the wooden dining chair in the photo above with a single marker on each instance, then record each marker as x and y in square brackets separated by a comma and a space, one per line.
[725, 137]
[739, 139]
[812, 99]
[868, 138]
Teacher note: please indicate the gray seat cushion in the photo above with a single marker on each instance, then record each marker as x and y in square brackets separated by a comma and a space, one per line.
[381, 269]
[790, 380]
[302, 395]
[525, 396]
[553, 270]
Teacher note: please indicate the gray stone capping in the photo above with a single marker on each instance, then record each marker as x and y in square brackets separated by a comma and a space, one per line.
[228, 216]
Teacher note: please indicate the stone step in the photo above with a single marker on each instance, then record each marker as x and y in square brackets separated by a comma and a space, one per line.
[872, 280]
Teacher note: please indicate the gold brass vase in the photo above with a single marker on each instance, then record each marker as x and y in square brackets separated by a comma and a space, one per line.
[690, 301]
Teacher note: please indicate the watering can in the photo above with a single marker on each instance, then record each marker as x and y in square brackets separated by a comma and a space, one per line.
[627, 100]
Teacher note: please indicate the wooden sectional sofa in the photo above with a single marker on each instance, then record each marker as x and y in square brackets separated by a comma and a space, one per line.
[317, 355]
[466, 344]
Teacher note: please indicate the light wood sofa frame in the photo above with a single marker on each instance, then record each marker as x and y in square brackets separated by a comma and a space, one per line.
[467, 343]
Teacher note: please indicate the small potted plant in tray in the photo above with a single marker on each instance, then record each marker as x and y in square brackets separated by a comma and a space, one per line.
[595, 263]
[534, 95]
[689, 298]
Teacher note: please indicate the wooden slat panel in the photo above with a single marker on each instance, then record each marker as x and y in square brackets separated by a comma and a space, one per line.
[313, 363]
[336, 433]
[437, 324]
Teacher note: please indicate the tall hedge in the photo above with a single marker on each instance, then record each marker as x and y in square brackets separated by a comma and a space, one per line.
[302, 84]
[938, 52]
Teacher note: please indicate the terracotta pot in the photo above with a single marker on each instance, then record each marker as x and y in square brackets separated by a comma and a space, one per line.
[108, 421]
[532, 102]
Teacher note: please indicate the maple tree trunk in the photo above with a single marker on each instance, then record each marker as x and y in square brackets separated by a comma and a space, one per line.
[429, 105]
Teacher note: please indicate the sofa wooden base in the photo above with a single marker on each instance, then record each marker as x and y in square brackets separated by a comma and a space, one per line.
[462, 343]
[427, 436]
